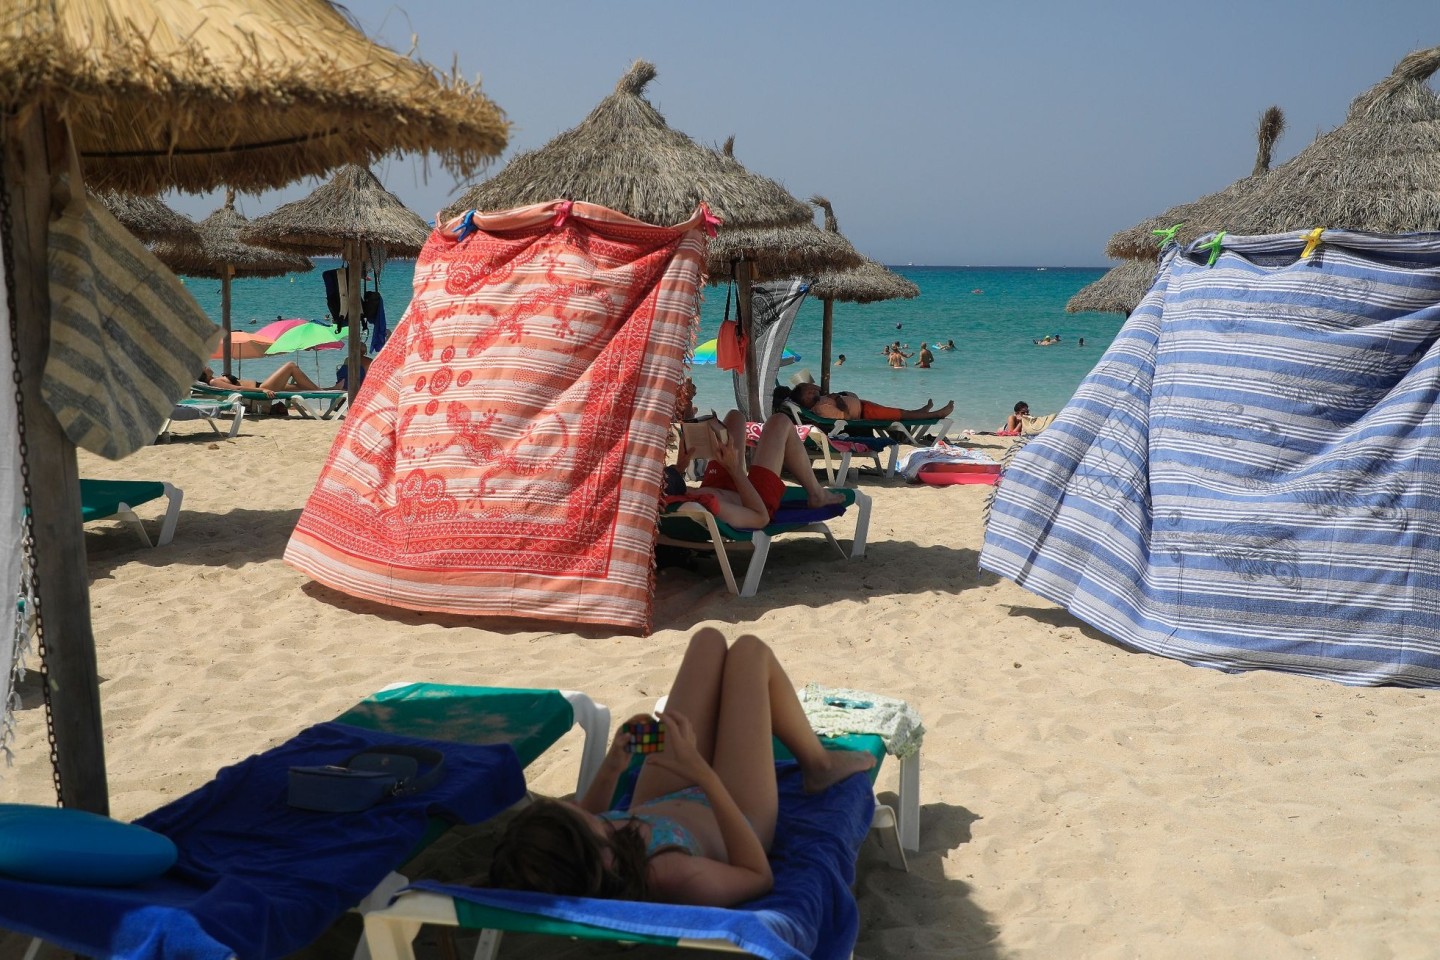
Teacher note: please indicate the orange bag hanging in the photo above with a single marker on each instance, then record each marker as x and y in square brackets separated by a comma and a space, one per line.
[732, 344]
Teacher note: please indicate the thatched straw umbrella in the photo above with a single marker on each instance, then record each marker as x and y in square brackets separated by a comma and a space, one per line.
[146, 217]
[352, 215]
[223, 255]
[868, 283]
[1378, 171]
[248, 93]
[1202, 216]
[1120, 290]
[624, 156]
[154, 95]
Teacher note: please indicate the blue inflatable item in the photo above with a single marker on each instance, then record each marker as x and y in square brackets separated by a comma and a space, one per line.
[56, 845]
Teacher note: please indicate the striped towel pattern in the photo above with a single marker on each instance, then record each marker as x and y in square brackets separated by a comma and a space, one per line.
[126, 337]
[504, 455]
[1250, 477]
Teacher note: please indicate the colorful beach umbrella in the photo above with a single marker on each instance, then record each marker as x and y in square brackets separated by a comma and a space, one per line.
[272, 330]
[243, 346]
[308, 336]
[705, 355]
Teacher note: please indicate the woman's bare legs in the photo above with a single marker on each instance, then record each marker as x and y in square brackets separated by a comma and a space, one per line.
[696, 696]
[756, 702]
[288, 377]
[781, 446]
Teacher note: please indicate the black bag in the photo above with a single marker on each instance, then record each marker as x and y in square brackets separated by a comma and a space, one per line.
[365, 779]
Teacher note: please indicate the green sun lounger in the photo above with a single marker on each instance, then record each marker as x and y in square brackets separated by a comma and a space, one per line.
[920, 433]
[330, 401]
[100, 499]
[691, 525]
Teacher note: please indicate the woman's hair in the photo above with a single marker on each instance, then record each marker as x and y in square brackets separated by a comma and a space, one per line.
[1022, 405]
[549, 848]
[781, 395]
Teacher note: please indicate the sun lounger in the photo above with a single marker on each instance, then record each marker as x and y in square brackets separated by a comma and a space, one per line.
[258, 879]
[208, 410]
[917, 432]
[811, 911]
[100, 499]
[689, 524]
[328, 402]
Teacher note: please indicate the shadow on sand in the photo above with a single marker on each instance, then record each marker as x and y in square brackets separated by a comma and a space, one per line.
[202, 539]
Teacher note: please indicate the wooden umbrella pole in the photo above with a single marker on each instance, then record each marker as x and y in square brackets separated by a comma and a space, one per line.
[354, 266]
[32, 146]
[225, 271]
[825, 337]
[744, 290]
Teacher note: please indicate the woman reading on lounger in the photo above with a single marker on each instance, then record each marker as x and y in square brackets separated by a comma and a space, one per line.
[847, 406]
[702, 817]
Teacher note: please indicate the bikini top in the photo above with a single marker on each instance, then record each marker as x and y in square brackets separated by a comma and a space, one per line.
[665, 832]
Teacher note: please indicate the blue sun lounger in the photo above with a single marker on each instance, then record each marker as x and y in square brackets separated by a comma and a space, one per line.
[258, 879]
[100, 499]
[810, 913]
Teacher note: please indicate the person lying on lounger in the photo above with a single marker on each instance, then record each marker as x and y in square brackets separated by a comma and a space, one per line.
[702, 817]
[288, 377]
[748, 498]
[847, 406]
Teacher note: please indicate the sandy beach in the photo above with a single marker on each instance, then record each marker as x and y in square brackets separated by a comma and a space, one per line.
[1078, 800]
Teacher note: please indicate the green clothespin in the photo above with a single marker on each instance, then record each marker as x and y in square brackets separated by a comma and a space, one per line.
[1214, 245]
[1167, 236]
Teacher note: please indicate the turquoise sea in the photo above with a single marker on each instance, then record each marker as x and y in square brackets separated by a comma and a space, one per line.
[992, 313]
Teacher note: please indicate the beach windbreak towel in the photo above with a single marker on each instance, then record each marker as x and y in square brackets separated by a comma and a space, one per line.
[773, 307]
[1250, 477]
[504, 454]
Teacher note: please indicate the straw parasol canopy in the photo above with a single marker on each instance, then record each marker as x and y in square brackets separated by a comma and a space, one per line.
[249, 93]
[1378, 171]
[222, 254]
[352, 206]
[867, 283]
[626, 157]
[352, 215]
[1206, 214]
[1120, 290]
[146, 217]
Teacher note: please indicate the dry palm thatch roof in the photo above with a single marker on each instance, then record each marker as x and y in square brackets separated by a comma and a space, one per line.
[1119, 291]
[1378, 171]
[624, 156]
[147, 218]
[1199, 217]
[250, 93]
[353, 206]
[776, 252]
[220, 247]
[868, 283]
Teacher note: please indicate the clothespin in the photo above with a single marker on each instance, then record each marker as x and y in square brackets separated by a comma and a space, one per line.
[1214, 245]
[562, 212]
[1167, 236]
[1312, 240]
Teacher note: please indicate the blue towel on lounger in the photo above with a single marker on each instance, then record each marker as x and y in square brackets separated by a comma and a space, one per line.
[257, 878]
[810, 913]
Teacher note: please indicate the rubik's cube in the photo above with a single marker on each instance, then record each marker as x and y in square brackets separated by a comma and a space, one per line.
[646, 737]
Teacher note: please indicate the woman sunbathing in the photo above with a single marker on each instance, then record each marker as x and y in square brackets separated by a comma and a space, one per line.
[703, 813]
[847, 406]
[288, 377]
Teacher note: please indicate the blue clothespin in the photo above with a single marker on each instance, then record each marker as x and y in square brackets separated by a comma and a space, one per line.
[1214, 245]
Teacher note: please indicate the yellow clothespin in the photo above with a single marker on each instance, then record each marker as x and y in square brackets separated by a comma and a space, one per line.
[1312, 240]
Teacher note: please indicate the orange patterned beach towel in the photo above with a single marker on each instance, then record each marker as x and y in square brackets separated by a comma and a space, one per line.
[504, 455]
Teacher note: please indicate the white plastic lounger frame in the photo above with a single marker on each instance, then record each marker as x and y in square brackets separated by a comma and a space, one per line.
[299, 405]
[760, 541]
[208, 410]
[173, 495]
[920, 438]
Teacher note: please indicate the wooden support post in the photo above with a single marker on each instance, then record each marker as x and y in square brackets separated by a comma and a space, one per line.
[825, 337]
[226, 272]
[744, 291]
[354, 271]
[33, 144]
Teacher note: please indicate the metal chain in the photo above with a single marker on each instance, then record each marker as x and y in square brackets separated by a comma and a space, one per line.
[6, 224]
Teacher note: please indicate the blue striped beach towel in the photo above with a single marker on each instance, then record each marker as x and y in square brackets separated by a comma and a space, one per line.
[1250, 477]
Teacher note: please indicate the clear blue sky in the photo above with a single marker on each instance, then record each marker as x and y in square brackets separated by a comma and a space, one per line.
[1016, 132]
